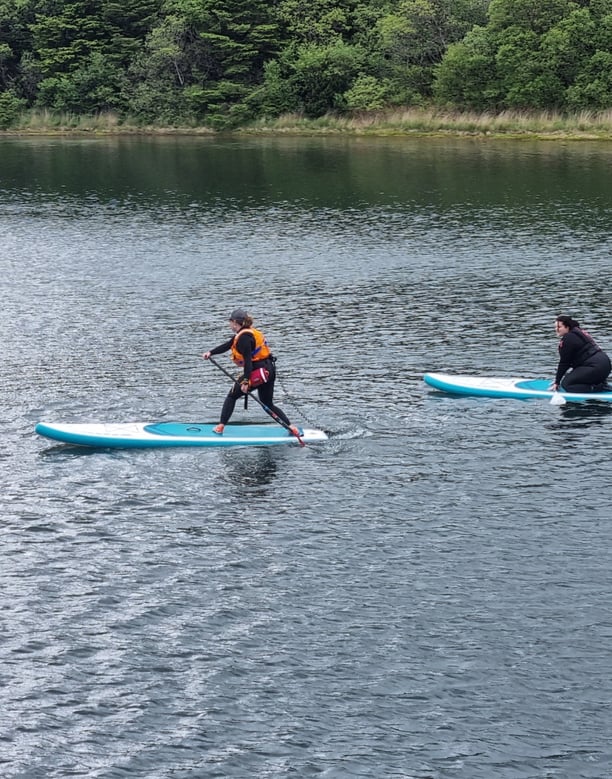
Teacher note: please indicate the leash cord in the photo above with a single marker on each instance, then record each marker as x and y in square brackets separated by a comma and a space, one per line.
[292, 403]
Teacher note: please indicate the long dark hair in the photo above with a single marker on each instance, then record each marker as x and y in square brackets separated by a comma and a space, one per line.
[567, 321]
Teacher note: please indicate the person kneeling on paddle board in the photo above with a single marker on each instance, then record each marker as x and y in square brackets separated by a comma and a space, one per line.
[250, 351]
[577, 350]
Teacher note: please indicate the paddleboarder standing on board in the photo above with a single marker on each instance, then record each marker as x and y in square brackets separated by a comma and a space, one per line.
[250, 351]
[590, 365]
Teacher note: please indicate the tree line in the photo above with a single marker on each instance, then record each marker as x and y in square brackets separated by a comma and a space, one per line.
[222, 63]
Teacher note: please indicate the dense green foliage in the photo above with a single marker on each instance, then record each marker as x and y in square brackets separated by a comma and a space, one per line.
[223, 62]
[545, 54]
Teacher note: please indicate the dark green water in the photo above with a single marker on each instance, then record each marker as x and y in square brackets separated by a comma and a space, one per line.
[427, 596]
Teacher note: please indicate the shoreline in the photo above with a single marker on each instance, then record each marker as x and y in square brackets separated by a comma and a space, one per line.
[414, 123]
[297, 133]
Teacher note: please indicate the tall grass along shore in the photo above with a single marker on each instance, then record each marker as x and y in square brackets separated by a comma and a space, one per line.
[586, 125]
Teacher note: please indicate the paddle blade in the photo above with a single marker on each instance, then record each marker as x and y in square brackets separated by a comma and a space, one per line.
[557, 399]
[298, 436]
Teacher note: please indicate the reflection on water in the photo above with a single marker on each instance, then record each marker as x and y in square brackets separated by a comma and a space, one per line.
[591, 412]
[249, 471]
[74, 451]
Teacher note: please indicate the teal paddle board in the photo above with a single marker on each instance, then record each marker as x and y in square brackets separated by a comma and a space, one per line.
[498, 387]
[159, 434]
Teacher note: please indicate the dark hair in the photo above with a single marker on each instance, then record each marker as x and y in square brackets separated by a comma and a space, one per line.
[567, 321]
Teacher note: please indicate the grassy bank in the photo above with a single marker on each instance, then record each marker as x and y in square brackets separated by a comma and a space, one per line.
[586, 125]
[410, 121]
[44, 122]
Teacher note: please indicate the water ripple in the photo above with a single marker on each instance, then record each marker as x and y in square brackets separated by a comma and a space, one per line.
[424, 596]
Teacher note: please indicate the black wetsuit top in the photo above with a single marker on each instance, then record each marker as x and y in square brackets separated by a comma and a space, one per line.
[575, 349]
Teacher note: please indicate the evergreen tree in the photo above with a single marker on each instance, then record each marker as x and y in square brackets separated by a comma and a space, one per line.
[15, 38]
[212, 51]
[80, 50]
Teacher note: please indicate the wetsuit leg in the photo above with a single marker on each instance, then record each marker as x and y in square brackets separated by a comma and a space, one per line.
[229, 403]
[266, 395]
[606, 369]
[586, 377]
[578, 380]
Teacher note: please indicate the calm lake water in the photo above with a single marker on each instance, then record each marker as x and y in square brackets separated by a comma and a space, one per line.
[427, 596]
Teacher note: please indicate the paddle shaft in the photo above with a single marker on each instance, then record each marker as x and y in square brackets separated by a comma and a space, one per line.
[268, 410]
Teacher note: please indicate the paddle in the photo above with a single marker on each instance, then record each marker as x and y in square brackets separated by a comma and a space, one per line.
[268, 411]
[557, 398]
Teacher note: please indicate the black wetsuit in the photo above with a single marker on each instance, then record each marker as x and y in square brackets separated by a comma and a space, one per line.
[590, 365]
[245, 345]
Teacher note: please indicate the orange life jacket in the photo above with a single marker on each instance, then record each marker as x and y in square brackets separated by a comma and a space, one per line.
[261, 350]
